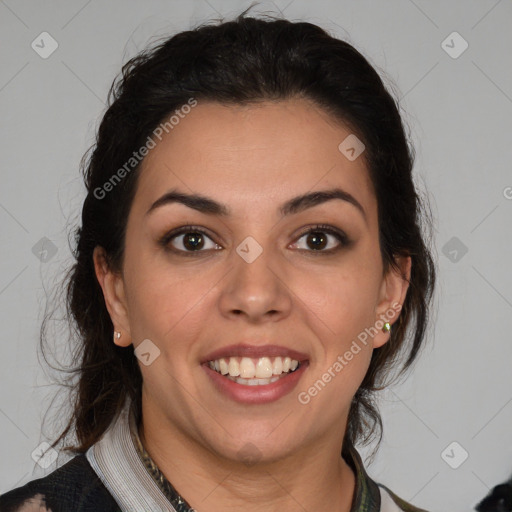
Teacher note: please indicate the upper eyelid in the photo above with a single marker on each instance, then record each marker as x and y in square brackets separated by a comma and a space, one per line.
[333, 231]
[338, 233]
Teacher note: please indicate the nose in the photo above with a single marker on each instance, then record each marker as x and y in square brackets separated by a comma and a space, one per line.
[256, 290]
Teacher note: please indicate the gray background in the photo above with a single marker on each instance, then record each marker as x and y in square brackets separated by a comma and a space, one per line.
[458, 110]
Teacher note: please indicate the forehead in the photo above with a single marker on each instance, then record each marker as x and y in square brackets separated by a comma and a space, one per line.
[254, 154]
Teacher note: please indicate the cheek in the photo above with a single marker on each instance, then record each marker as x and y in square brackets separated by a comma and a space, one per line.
[342, 299]
[166, 305]
[343, 349]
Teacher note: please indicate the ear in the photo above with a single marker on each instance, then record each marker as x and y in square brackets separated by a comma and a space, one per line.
[391, 298]
[113, 291]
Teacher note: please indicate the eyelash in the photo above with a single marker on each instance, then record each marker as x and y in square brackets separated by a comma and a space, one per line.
[342, 238]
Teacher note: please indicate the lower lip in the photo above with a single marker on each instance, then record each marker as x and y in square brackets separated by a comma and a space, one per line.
[256, 394]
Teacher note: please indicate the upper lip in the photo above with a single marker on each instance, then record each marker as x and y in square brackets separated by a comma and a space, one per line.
[255, 351]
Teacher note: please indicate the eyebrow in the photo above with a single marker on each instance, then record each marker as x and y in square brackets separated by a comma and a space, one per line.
[295, 205]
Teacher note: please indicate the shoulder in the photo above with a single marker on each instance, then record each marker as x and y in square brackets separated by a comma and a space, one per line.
[74, 486]
[390, 502]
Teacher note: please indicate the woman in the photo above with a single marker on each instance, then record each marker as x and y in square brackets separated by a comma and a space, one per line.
[249, 268]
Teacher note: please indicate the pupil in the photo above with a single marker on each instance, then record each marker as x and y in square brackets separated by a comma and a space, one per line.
[193, 241]
[318, 240]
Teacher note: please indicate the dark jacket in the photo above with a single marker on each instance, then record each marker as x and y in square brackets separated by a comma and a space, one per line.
[74, 487]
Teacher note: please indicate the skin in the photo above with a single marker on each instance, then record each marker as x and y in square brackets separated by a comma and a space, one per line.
[252, 159]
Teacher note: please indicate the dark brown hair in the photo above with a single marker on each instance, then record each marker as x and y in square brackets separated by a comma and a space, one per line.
[242, 61]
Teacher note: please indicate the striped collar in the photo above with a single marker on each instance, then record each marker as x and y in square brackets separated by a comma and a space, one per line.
[366, 494]
[136, 483]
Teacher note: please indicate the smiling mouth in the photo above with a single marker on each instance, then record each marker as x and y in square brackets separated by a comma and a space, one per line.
[255, 371]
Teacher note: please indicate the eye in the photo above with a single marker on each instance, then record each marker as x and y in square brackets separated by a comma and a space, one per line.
[322, 238]
[188, 239]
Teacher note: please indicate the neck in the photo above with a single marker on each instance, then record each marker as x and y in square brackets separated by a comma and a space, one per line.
[312, 475]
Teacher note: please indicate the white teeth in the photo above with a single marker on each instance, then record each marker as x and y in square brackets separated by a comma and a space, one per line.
[277, 369]
[253, 382]
[224, 368]
[233, 367]
[257, 370]
[263, 368]
[247, 368]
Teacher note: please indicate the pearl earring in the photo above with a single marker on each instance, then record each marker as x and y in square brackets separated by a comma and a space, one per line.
[117, 335]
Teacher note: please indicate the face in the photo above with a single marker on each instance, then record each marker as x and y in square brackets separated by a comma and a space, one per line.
[234, 259]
